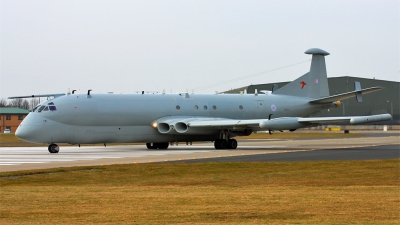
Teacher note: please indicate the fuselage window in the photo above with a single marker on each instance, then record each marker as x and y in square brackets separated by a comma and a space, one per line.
[52, 108]
[178, 107]
[214, 107]
[205, 107]
[240, 107]
[41, 108]
[46, 109]
[196, 107]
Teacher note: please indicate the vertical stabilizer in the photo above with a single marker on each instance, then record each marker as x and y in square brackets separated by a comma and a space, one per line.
[313, 84]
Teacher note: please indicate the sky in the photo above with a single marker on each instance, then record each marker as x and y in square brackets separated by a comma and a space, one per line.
[187, 45]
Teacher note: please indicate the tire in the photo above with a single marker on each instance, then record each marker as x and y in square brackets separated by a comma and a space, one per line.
[223, 144]
[217, 144]
[232, 144]
[220, 144]
[53, 148]
[150, 146]
[163, 145]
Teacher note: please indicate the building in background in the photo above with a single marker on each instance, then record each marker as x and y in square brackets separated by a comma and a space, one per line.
[379, 102]
[10, 118]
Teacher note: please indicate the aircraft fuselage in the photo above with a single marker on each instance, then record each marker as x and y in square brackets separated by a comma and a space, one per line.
[109, 118]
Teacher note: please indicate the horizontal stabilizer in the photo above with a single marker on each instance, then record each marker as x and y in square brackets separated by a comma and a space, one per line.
[345, 95]
[37, 96]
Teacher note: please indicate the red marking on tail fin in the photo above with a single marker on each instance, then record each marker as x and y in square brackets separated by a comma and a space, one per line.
[303, 84]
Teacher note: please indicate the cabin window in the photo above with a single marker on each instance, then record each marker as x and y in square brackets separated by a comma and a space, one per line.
[196, 107]
[178, 107]
[240, 107]
[52, 108]
[205, 107]
[214, 107]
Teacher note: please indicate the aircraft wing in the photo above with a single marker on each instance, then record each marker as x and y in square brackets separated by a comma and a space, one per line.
[201, 125]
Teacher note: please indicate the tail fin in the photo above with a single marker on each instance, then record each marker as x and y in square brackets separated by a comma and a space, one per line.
[313, 84]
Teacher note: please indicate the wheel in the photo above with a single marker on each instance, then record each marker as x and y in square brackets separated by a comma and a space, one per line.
[232, 144]
[150, 146]
[223, 144]
[220, 144]
[53, 148]
[217, 144]
[163, 145]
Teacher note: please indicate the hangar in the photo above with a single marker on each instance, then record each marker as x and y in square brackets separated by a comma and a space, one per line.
[379, 102]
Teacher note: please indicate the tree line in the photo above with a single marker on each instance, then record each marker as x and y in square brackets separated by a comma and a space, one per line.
[20, 103]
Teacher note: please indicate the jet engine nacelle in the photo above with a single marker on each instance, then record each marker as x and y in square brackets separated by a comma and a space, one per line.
[181, 126]
[284, 123]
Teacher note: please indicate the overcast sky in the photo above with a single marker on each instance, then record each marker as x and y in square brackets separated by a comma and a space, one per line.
[151, 45]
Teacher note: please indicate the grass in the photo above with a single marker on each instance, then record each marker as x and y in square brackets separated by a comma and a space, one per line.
[351, 192]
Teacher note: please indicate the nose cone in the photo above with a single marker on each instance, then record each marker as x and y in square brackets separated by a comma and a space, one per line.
[23, 133]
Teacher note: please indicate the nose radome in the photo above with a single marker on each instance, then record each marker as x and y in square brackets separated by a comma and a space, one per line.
[22, 133]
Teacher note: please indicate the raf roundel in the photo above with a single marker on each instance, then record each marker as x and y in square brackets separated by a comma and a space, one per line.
[273, 108]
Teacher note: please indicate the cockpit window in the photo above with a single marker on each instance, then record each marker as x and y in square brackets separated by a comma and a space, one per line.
[46, 109]
[52, 108]
[51, 103]
[41, 108]
[34, 110]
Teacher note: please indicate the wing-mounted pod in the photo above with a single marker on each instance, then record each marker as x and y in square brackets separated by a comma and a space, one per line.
[283, 123]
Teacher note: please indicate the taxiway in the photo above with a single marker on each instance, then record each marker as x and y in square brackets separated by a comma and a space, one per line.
[369, 147]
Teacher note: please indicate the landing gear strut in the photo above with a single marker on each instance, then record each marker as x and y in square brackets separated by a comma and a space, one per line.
[53, 148]
[225, 142]
[162, 145]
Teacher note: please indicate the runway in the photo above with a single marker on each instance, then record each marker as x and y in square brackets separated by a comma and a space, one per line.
[370, 147]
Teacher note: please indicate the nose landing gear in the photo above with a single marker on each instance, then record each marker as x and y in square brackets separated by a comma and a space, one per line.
[53, 148]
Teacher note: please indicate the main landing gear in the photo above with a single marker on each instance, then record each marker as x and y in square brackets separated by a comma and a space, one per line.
[53, 148]
[225, 142]
[162, 145]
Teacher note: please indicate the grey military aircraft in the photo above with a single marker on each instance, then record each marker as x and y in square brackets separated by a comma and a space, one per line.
[161, 119]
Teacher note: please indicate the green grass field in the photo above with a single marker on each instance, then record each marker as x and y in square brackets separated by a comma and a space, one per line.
[352, 192]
